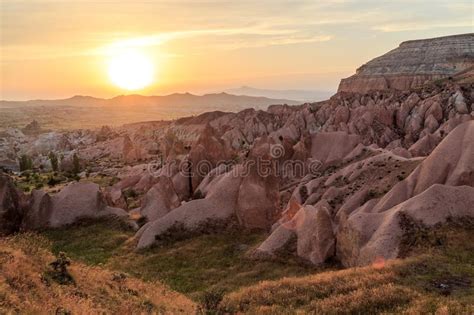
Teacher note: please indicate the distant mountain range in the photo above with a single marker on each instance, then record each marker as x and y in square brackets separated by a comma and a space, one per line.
[298, 95]
[218, 101]
[88, 112]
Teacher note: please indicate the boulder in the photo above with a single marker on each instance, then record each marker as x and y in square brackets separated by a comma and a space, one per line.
[75, 201]
[315, 237]
[114, 194]
[311, 227]
[460, 103]
[159, 200]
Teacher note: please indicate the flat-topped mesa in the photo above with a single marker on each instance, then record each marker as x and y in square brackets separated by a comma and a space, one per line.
[413, 64]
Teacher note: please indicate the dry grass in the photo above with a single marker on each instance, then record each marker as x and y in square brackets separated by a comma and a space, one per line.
[322, 293]
[24, 288]
[438, 280]
[353, 291]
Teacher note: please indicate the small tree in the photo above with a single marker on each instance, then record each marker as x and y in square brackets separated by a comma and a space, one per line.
[54, 161]
[59, 272]
[25, 163]
[76, 164]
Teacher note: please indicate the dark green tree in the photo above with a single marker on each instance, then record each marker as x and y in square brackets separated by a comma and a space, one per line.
[76, 164]
[25, 163]
[54, 161]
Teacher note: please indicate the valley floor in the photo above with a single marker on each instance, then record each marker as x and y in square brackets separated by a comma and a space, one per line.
[211, 273]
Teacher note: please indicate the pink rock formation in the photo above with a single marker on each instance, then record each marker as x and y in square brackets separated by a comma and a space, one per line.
[75, 201]
[258, 199]
[430, 194]
[368, 236]
[313, 231]
[217, 208]
[332, 147]
[159, 200]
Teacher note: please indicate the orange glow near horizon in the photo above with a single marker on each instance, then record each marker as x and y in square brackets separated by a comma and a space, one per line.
[57, 49]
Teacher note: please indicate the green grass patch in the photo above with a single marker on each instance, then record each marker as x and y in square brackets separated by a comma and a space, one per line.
[93, 242]
[215, 261]
[103, 180]
[444, 260]
[191, 266]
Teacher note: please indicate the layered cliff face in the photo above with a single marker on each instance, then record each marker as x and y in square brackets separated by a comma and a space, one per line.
[413, 64]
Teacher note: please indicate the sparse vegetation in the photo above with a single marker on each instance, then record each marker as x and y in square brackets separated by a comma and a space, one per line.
[412, 286]
[191, 266]
[76, 164]
[214, 270]
[30, 180]
[53, 159]
[25, 163]
[103, 180]
[25, 257]
[59, 272]
[210, 300]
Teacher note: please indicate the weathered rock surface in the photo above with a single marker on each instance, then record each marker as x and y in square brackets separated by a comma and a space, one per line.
[312, 229]
[413, 64]
[370, 235]
[258, 199]
[332, 147]
[159, 200]
[451, 163]
[216, 209]
[430, 194]
[74, 202]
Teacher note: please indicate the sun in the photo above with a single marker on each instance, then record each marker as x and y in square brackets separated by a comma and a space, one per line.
[131, 70]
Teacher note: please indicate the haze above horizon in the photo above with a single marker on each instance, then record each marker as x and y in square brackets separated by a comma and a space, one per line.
[57, 49]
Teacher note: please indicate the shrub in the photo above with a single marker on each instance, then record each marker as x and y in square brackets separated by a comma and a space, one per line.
[25, 163]
[76, 164]
[59, 272]
[53, 181]
[53, 159]
[210, 300]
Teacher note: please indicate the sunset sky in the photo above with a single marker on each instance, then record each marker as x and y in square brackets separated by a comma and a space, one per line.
[56, 49]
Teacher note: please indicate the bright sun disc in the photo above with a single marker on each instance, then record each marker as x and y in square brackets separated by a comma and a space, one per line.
[131, 70]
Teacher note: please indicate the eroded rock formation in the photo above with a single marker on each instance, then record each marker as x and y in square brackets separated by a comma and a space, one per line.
[413, 64]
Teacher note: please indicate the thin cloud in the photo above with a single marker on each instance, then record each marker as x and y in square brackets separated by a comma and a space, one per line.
[240, 38]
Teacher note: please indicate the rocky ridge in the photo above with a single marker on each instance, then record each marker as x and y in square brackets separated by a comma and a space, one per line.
[413, 64]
